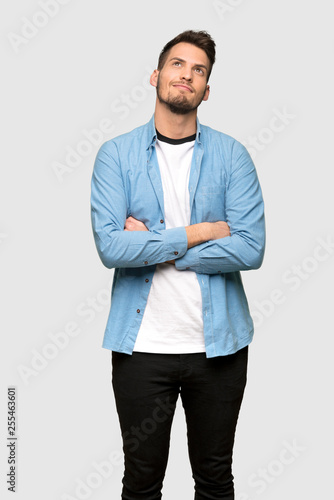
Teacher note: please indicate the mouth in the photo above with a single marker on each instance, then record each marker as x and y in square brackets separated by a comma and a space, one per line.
[182, 87]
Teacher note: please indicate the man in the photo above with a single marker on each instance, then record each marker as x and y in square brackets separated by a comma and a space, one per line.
[177, 210]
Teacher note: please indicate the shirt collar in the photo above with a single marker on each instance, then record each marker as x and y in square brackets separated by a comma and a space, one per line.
[152, 134]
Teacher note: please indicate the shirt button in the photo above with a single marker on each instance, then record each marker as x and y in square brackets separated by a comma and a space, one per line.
[146, 281]
[176, 253]
[161, 221]
[138, 310]
[145, 262]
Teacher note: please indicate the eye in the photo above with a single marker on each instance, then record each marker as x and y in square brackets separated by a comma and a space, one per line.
[200, 71]
[177, 63]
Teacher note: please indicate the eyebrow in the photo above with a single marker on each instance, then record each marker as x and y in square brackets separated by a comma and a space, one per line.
[182, 60]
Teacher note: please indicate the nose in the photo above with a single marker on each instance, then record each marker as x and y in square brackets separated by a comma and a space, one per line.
[186, 73]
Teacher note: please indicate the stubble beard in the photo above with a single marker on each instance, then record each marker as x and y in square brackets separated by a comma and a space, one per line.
[179, 104]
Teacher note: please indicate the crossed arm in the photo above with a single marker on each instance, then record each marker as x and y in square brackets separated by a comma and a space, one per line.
[236, 244]
[196, 233]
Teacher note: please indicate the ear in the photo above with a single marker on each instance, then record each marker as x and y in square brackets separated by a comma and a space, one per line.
[154, 78]
[207, 93]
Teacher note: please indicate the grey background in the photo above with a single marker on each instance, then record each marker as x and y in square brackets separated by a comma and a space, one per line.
[68, 77]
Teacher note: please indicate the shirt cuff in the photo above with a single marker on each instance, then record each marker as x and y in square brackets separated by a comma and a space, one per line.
[189, 260]
[176, 241]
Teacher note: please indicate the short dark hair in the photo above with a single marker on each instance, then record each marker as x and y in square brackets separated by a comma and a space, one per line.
[201, 39]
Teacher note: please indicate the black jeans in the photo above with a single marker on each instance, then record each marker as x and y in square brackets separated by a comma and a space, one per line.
[146, 388]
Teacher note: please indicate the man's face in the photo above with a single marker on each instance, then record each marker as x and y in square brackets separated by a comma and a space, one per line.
[182, 82]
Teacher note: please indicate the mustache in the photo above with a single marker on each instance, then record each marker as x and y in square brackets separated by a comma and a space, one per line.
[184, 84]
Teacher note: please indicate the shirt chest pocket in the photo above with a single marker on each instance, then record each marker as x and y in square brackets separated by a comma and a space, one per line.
[211, 202]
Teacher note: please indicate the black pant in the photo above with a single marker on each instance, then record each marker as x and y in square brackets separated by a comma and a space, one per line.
[146, 388]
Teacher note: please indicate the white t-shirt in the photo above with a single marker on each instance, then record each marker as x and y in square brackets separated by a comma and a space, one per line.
[172, 321]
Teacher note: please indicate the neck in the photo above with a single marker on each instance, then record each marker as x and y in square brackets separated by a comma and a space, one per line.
[173, 125]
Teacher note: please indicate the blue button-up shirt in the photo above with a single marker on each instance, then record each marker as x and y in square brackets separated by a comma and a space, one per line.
[223, 185]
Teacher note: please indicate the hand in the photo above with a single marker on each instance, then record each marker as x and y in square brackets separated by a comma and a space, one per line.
[219, 229]
[132, 224]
